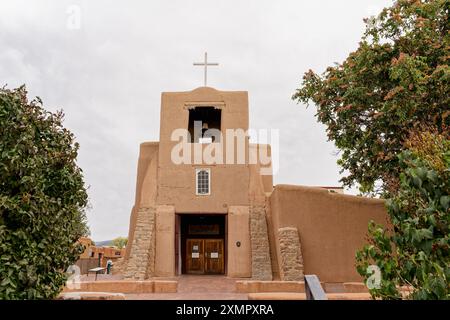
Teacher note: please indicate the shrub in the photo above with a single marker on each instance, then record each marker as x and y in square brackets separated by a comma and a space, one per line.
[416, 252]
[42, 199]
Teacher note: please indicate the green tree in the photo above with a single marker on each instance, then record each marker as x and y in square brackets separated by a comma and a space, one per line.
[120, 242]
[416, 251]
[42, 199]
[395, 82]
[386, 107]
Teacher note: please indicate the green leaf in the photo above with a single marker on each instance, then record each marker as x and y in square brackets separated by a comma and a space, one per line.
[445, 201]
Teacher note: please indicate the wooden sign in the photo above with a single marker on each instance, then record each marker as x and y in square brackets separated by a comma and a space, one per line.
[214, 255]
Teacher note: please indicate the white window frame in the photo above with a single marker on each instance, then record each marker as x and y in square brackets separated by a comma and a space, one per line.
[197, 171]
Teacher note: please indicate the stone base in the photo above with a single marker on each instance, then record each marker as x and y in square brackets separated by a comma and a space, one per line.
[259, 236]
[291, 261]
[141, 262]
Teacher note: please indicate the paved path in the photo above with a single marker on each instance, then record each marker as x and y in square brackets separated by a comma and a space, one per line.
[197, 288]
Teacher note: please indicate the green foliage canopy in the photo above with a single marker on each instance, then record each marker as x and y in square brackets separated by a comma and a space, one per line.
[396, 81]
[42, 199]
[120, 242]
[386, 107]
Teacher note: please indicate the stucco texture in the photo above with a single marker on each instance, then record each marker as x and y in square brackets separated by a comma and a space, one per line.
[331, 227]
[168, 189]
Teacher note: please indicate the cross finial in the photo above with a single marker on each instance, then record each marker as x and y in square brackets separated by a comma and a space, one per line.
[205, 64]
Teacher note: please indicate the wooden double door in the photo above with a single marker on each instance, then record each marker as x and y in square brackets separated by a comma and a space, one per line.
[204, 256]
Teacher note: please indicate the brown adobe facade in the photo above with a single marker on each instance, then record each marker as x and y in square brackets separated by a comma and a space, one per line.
[226, 217]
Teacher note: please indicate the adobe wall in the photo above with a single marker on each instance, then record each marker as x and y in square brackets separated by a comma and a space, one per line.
[176, 182]
[259, 171]
[239, 261]
[164, 188]
[145, 185]
[331, 228]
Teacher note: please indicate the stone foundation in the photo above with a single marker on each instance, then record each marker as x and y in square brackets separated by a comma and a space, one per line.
[261, 263]
[291, 264]
[141, 263]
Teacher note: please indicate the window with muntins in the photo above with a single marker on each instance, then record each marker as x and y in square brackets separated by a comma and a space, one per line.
[203, 181]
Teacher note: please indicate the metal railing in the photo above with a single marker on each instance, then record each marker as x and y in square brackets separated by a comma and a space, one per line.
[313, 288]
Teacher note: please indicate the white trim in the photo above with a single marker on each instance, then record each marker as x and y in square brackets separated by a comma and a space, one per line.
[208, 170]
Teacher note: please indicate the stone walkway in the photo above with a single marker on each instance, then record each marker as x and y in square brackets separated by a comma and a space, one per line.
[197, 288]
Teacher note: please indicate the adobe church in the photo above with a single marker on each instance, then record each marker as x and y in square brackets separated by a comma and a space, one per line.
[204, 216]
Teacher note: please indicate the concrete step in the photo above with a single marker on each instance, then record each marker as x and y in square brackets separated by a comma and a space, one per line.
[302, 296]
[91, 296]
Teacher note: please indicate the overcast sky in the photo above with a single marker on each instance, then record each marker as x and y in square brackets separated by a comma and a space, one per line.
[108, 75]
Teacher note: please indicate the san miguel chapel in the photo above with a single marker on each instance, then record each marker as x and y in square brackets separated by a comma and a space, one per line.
[201, 217]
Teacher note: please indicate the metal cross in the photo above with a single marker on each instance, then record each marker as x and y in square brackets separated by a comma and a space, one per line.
[205, 64]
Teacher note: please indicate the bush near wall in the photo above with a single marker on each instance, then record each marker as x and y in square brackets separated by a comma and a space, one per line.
[42, 199]
[416, 253]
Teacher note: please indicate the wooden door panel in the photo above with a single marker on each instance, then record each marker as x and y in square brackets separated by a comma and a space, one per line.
[214, 257]
[195, 256]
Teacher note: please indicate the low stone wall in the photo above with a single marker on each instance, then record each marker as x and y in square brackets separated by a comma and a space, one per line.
[125, 286]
